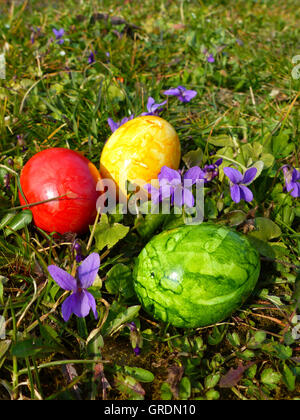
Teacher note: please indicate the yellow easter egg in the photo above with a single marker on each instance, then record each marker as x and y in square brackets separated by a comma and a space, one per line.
[138, 150]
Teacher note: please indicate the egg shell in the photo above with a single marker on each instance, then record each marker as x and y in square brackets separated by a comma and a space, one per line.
[138, 150]
[194, 276]
[60, 172]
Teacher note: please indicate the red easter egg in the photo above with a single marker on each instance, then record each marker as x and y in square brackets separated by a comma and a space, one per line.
[64, 173]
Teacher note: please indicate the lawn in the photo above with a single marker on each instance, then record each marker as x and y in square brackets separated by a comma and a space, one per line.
[70, 72]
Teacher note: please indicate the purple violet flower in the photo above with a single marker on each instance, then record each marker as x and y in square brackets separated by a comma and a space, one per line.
[212, 171]
[172, 184]
[182, 93]
[115, 125]
[91, 58]
[59, 35]
[292, 181]
[153, 108]
[137, 350]
[135, 338]
[34, 33]
[81, 301]
[21, 142]
[77, 248]
[210, 58]
[6, 181]
[239, 190]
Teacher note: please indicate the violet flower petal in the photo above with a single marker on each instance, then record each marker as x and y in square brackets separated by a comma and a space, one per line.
[169, 174]
[295, 175]
[154, 192]
[62, 278]
[189, 95]
[158, 107]
[234, 175]
[88, 270]
[219, 162]
[172, 92]
[246, 193]
[58, 33]
[194, 174]
[235, 193]
[125, 120]
[81, 304]
[113, 125]
[249, 176]
[91, 58]
[177, 197]
[137, 351]
[166, 191]
[150, 103]
[67, 307]
[296, 192]
[294, 189]
[188, 198]
[92, 302]
[210, 58]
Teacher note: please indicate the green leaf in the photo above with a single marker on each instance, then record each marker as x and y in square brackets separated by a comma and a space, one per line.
[141, 375]
[264, 294]
[4, 347]
[221, 141]
[148, 224]
[277, 350]
[95, 343]
[270, 377]
[212, 380]
[3, 280]
[251, 371]
[173, 221]
[129, 386]
[49, 334]
[281, 146]
[19, 221]
[210, 208]
[166, 392]
[256, 341]
[119, 280]
[266, 229]
[185, 388]
[7, 219]
[212, 394]
[30, 348]
[234, 339]
[288, 378]
[107, 234]
[193, 158]
[125, 315]
[217, 335]
[268, 160]
[264, 248]
[236, 217]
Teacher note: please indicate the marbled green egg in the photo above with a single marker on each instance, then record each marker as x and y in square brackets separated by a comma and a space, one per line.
[194, 276]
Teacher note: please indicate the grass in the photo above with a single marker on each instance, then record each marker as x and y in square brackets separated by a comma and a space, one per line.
[246, 110]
